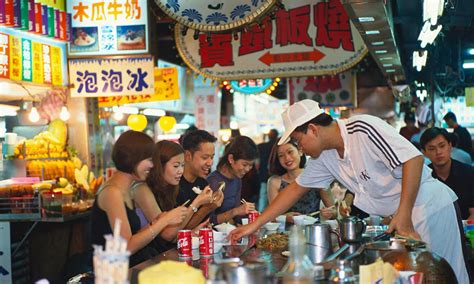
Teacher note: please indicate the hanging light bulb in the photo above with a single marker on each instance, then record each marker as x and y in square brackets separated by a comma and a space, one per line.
[64, 115]
[34, 115]
[118, 115]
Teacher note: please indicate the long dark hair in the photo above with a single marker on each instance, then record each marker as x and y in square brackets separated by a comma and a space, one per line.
[240, 147]
[165, 194]
[275, 166]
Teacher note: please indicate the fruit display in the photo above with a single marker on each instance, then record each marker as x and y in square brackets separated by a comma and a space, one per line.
[50, 169]
[50, 143]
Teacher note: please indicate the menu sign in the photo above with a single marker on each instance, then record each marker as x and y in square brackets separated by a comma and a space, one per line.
[307, 38]
[32, 59]
[330, 91]
[108, 27]
[166, 88]
[130, 76]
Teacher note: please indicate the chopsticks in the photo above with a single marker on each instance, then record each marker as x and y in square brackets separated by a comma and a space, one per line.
[186, 203]
[243, 201]
[317, 212]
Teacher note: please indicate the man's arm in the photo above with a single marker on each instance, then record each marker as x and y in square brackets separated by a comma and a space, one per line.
[411, 175]
[284, 200]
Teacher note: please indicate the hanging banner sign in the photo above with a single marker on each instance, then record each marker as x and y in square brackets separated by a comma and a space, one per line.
[214, 16]
[307, 38]
[108, 27]
[330, 91]
[30, 58]
[251, 86]
[166, 88]
[111, 76]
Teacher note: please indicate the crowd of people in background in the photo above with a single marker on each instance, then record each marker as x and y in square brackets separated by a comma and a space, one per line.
[161, 188]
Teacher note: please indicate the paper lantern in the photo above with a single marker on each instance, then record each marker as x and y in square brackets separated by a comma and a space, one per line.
[137, 122]
[167, 123]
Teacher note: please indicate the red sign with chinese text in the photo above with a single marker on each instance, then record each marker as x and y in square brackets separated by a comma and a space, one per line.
[308, 37]
[4, 56]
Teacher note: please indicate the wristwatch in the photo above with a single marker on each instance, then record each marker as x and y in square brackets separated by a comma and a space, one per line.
[194, 208]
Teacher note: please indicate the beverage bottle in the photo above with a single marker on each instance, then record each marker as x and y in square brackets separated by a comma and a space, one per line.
[299, 268]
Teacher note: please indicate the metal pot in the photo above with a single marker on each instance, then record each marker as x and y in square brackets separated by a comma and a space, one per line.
[320, 235]
[317, 254]
[250, 272]
[351, 229]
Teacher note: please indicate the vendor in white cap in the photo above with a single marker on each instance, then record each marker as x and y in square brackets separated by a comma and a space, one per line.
[384, 171]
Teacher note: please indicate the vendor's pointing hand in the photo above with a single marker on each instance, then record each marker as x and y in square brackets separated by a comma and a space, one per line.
[403, 226]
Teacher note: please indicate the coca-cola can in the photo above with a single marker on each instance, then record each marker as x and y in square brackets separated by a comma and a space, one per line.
[185, 244]
[206, 242]
[253, 216]
[204, 266]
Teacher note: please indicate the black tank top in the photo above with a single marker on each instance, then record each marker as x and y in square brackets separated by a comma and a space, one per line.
[100, 226]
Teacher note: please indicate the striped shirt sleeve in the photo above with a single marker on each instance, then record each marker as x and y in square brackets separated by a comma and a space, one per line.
[387, 144]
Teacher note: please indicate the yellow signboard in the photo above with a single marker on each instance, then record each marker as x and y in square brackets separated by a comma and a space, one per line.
[37, 62]
[15, 58]
[469, 96]
[166, 88]
[56, 66]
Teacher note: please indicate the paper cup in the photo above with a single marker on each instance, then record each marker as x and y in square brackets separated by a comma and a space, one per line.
[282, 220]
[245, 221]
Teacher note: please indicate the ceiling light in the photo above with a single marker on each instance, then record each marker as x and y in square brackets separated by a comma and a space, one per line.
[377, 43]
[422, 94]
[419, 59]
[432, 9]
[390, 70]
[34, 115]
[64, 115]
[118, 116]
[154, 112]
[428, 34]
[386, 58]
[128, 110]
[468, 64]
[181, 126]
[387, 65]
[234, 125]
[470, 51]
[366, 19]
[372, 32]
[382, 51]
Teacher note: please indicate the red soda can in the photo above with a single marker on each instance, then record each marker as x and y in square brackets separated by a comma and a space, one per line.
[253, 216]
[206, 242]
[184, 244]
[204, 266]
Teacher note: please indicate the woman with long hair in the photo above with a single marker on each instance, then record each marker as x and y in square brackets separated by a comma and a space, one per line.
[131, 155]
[238, 159]
[286, 164]
[158, 193]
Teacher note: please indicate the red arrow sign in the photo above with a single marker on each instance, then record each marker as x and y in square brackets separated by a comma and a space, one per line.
[269, 58]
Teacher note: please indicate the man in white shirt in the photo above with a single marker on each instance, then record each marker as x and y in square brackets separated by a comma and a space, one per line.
[383, 170]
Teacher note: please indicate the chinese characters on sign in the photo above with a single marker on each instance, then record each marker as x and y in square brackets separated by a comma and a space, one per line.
[330, 91]
[251, 86]
[207, 111]
[31, 60]
[166, 88]
[308, 37]
[131, 76]
[108, 27]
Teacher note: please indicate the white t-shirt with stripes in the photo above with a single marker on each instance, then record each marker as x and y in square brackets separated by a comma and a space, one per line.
[372, 168]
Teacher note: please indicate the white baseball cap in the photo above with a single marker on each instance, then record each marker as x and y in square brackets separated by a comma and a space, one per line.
[298, 114]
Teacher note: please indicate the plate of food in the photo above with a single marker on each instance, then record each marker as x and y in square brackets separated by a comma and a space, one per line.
[275, 241]
[83, 39]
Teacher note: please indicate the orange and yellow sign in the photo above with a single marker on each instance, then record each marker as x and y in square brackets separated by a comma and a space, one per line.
[166, 88]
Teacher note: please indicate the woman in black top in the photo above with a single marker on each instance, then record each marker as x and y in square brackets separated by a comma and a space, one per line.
[132, 157]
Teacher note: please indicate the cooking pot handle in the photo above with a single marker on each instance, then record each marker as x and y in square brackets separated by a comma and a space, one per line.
[362, 226]
[339, 239]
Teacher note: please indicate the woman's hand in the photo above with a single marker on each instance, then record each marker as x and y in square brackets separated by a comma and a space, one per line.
[244, 209]
[328, 213]
[204, 198]
[175, 216]
[218, 198]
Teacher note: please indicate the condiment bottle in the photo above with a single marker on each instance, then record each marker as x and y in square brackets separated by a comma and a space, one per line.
[299, 268]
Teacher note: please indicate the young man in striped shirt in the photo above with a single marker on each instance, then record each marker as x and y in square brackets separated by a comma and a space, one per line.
[384, 171]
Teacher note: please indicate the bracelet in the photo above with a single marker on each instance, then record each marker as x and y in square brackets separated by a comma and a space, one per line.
[153, 233]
